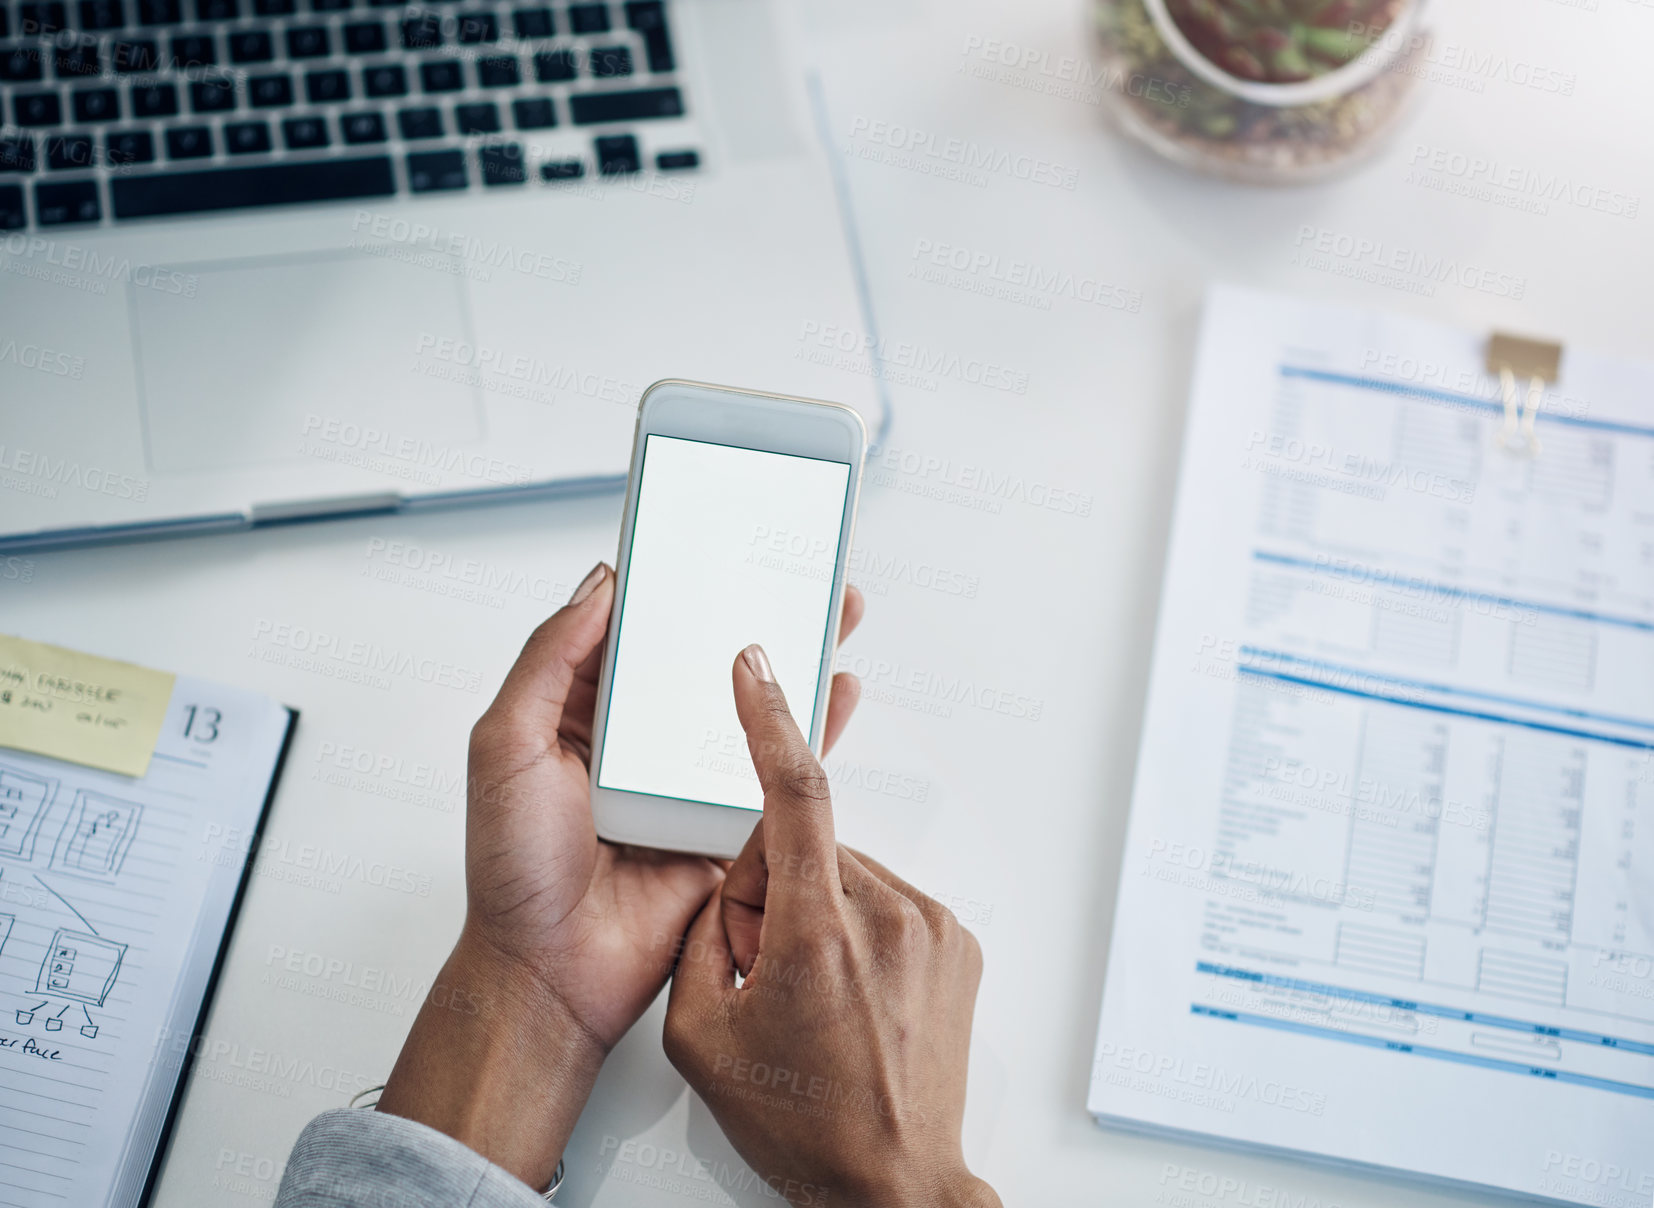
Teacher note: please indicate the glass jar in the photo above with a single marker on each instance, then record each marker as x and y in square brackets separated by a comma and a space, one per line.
[1261, 91]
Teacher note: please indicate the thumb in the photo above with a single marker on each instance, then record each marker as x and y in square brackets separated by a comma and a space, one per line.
[702, 983]
[798, 837]
[530, 702]
[746, 884]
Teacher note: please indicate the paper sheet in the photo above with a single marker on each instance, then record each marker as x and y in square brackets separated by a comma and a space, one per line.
[79, 707]
[114, 894]
[1388, 890]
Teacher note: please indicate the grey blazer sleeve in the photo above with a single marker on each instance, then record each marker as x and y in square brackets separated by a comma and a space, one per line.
[351, 1157]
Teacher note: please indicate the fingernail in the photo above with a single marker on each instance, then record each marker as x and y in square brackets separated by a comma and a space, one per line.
[758, 663]
[588, 584]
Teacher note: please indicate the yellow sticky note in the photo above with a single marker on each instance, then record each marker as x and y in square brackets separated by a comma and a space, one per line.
[79, 707]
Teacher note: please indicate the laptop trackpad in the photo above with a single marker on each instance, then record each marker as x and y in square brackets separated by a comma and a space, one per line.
[269, 349]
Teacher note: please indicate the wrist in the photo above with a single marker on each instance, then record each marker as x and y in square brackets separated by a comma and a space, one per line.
[968, 1191]
[955, 1188]
[496, 1061]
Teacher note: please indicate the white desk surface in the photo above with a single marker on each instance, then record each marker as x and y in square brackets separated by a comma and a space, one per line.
[1016, 822]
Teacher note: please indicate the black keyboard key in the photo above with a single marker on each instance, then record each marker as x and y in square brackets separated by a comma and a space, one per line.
[5, 22]
[69, 152]
[432, 170]
[499, 71]
[502, 164]
[137, 57]
[386, 80]
[441, 75]
[159, 12]
[422, 122]
[212, 96]
[246, 138]
[607, 62]
[20, 64]
[329, 6]
[102, 14]
[423, 32]
[302, 133]
[11, 207]
[194, 50]
[122, 147]
[17, 153]
[96, 105]
[362, 127]
[365, 37]
[37, 109]
[136, 196]
[648, 19]
[481, 118]
[533, 23]
[217, 10]
[555, 66]
[677, 161]
[189, 142]
[71, 201]
[274, 8]
[562, 169]
[154, 100]
[78, 60]
[308, 42]
[589, 18]
[327, 87]
[267, 92]
[478, 28]
[590, 108]
[251, 46]
[39, 17]
[533, 113]
[617, 155]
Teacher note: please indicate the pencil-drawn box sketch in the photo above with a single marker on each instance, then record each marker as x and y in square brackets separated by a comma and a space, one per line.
[24, 800]
[80, 966]
[95, 839]
[54, 1023]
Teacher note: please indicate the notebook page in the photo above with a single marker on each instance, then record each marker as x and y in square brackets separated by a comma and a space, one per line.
[1388, 887]
[111, 890]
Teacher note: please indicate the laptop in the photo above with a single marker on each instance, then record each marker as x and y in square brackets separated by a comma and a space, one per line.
[272, 260]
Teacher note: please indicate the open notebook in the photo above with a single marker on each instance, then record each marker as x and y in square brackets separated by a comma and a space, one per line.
[1388, 886]
[116, 895]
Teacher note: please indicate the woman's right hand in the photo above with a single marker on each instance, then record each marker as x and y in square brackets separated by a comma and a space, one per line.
[837, 1067]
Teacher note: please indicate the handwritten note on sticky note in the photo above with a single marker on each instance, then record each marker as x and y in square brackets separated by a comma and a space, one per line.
[79, 707]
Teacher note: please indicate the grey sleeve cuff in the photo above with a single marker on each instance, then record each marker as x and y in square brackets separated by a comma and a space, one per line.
[351, 1157]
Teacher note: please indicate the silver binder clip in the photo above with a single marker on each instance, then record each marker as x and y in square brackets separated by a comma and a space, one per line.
[1512, 357]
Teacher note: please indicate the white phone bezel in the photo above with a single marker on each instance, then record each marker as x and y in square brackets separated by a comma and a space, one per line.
[752, 420]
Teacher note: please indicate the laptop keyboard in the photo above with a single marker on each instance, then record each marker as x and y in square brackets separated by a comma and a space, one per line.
[124, 109]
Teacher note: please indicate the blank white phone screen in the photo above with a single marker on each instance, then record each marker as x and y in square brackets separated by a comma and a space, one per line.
[731, 546]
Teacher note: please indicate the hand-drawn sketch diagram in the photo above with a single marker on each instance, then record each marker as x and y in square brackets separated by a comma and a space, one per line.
[79, 967]
[96, 837]
[24, 800]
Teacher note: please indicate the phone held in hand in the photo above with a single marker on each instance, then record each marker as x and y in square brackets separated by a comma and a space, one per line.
[740, 510]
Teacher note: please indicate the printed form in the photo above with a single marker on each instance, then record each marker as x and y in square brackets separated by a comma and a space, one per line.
[1388, 889]
[114, 895]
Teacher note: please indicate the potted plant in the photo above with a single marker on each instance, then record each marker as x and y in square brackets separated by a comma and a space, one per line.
[1268, 91]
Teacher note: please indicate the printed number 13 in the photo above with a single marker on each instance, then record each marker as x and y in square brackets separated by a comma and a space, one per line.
[202, 724]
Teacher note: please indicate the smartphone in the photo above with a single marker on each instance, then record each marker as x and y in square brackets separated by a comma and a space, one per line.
[740, 510]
